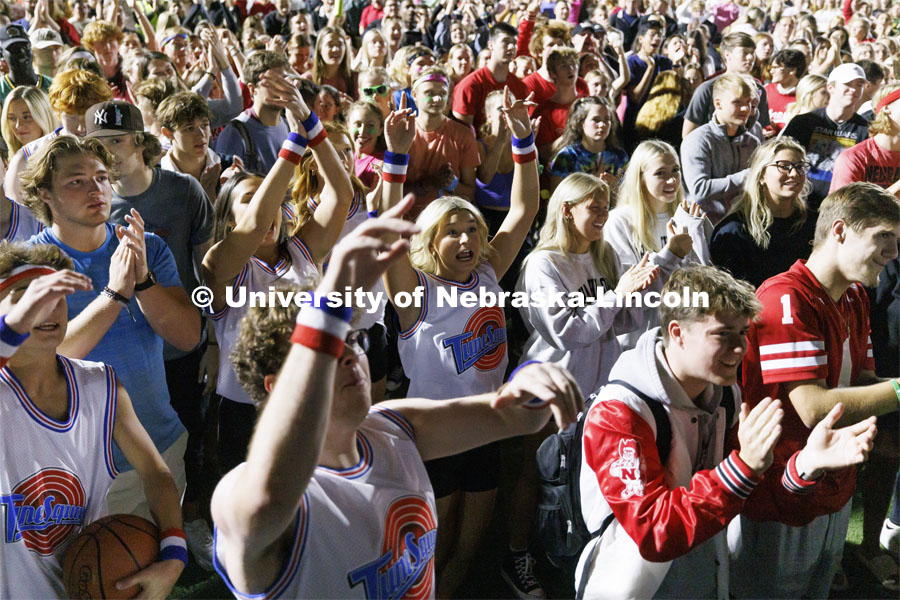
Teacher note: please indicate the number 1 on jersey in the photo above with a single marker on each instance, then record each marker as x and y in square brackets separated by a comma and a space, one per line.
[786, 318]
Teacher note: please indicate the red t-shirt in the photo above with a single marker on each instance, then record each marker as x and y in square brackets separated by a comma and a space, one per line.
[369, 13]
[778, 104]
[803, 334]
[543, 90]
[866, 161]
[470, 93]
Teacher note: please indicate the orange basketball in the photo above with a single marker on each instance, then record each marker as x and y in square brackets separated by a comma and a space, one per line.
[106, 551]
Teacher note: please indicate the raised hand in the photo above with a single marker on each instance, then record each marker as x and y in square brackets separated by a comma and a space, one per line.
[693, 209]
[133, 238]
[758, 432]
[286, 95]
[400, 128]
[210, 178]
[121, 271]
[543, 384]
[828, 448]
[40, 298]
[515, 112]
[359, 260]
[638, 277]
[680, 242]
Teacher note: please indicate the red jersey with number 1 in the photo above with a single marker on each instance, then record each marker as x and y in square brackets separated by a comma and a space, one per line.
[802, 334]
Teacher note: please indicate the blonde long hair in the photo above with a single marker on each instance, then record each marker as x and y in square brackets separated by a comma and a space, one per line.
[38, 103]
[432, 219]
[806, 87]
[634, 199]
[752, 205]
[556, 234]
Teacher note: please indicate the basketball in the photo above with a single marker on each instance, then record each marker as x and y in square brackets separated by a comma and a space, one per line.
[106, 551]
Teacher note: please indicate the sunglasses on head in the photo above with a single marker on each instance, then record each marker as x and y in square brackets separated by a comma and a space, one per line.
[380, 90]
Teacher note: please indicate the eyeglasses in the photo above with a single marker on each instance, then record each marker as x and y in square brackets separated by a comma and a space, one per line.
[786, 166]
[381, 90]
[358, 339]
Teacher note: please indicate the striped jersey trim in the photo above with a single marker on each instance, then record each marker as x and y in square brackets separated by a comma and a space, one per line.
[7, 377]
[423, 313]
[397, 419]
[364, 447]
[112, 403]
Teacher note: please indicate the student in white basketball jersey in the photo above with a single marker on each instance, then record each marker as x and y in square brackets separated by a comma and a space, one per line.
[252, 252]
[58, 420]
[448, 349]
[334, 500]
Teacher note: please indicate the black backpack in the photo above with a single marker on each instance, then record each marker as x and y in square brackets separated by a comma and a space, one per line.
[560, 526]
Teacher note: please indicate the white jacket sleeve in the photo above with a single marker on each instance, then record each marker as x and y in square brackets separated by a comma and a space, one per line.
[700, 231]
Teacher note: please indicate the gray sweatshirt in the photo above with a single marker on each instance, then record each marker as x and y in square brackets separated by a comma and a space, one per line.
[715, 167]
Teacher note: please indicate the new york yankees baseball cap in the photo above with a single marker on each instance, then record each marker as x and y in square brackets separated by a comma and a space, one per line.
[113, 117]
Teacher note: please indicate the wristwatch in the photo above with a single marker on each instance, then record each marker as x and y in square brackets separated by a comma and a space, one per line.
[147, 283]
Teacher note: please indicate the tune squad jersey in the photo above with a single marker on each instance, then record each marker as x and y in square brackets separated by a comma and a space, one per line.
[22, 224]
[356, 216]
[367, 531]
[450, 351]
[801, 335]
[256, 276]
[54, 475]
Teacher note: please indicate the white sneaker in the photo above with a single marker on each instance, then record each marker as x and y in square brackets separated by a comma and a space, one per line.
[200, 543]
[890, 536]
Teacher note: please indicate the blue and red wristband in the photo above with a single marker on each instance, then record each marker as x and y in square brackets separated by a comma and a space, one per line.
[394, 168]
[321, 327]
[293, 148]
[523, 149]
[315, 131]
[173, 545]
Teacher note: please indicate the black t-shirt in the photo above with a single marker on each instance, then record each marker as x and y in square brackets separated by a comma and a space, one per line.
[824, 140]
[732, 248]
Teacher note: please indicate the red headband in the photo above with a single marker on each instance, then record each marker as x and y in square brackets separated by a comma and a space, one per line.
[895, 95]
[23, 272]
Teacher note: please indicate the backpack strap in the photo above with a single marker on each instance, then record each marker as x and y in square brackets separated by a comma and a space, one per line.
[663, 425]
[249, 146]
[663, 447]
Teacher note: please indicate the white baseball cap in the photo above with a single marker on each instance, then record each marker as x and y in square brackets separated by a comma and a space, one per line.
[846, 73]
[44, 38]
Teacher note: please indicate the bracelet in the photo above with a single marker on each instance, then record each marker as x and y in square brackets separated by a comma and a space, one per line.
[119, 299]
[315, 132]
[173, 545]
[394, 168]
[896, 385]
[293, 148]
[523, 149]
[10, 339]
[373, 214]
[534, 402]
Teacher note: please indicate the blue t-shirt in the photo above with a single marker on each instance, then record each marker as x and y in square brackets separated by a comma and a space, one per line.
[132, 348]
[637, 67]
[266, 141]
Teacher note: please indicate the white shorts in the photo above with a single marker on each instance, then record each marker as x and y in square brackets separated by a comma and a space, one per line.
[774, 560]
[126, 495]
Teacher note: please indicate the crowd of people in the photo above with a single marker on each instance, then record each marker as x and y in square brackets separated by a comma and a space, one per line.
[165, 162]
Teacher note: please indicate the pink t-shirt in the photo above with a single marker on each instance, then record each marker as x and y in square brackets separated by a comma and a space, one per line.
[451, 143]
[866, 161]
[365, 167]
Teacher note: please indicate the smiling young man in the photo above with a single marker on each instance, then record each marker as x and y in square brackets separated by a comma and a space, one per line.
[826, 132]
[658, 517]
[470, 93]
[59, 419]
[788, 67]
[644, 64]
[716, 156]
[738, 53]
[174, 207]
[810, 347]
[137, 300]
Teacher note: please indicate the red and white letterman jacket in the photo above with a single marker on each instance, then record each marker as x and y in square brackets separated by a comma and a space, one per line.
[659, 544]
